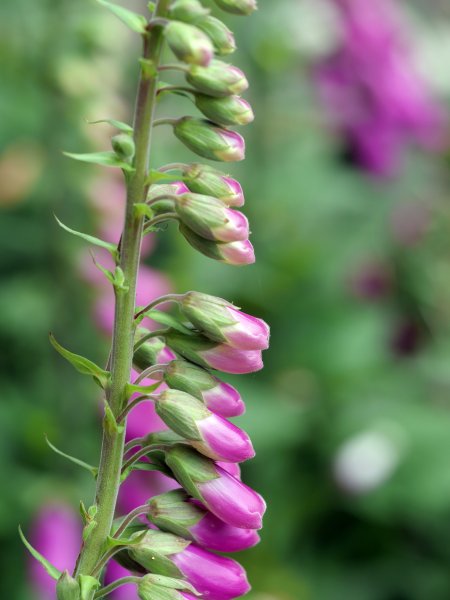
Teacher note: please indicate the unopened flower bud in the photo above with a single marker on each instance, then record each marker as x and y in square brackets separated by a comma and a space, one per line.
[232, 253]
[188, 43]
[67, 588]
[152, 352]
[221, 37]
[210, 434]
[225, 496]
[218, 79]
[123, 146]
[237, 7]
[214, 577]
[222, 322]
[169, 189]
[230, 110]
[210, 218]
[203, 179]
[207, 353]
[210, 141]
[187, 11]
[179, 514]
[218, 396]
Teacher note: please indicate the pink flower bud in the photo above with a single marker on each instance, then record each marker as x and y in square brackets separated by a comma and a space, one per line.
[222, 322]
[232, 253]
[210, 434]
[189, 43]
[231, 110]
[203, 179]
[209, 140]
[221, 37]
[210, 218]
[218, 79]
[206, 353]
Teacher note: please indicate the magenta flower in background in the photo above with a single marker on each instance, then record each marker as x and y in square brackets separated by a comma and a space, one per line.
[376, 98]
[56, 533]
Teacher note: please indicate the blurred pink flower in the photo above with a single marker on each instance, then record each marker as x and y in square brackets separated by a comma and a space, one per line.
[56, 534]
[376, 98]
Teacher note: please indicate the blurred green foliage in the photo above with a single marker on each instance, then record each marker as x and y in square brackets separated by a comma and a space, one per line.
[344, 362]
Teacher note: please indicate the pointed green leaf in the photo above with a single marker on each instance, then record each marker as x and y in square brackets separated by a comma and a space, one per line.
[51, 570]
[171, 582]
[134, 21]
[105, 159]
[143, 210]
[106, 272]
[120, 125]
[87, 584]
[111, 424]
[88, 529]
[112, 248]
[82, 364]
[116, 542]
[76, 461]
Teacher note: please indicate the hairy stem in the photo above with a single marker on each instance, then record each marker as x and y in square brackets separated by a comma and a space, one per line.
[108, 481]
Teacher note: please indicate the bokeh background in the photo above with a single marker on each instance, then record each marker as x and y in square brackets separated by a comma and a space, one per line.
[347, 190]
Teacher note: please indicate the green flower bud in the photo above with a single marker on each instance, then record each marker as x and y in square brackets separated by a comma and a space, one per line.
[217, 79]
[153, 550]
[67, 588]
[180, 411]
[187, 11]
[189, 43]
[210, 141]
[203, 179]
[172, 512]
[183, 375]
[221, 37]
[231, 253]
[123, 146]
[231, 110]
[237, 7]
[190, 468]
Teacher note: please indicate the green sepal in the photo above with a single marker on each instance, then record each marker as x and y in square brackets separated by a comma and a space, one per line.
[190, 468]
[159, 587]
[112, 542]
[76, 461]
[120, 125]
[82, 364]
[110, 422]
[167, 319]
[87, 514]
[156, 176]
[132, 388]
[153, 552]
[105, 159]
[172, 512]
[67, 588]
[51, 570]
[87, 584]
[112, 248]
[134, 21]
[180, 412]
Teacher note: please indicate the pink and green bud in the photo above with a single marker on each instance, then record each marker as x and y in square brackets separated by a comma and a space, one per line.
[230, 110]
[188, 43]
[206, 180]
[218, 79]
[231, 253]
[209, 354]
[188, 11]
[237, 7]
[210, 218]
[171, 189]
[218, 396]
[210, 434]
[220, 321]
[214, 577]
[152, 352]
[209, 140]
[222, 38]
[176, 513]
[222, 494]
[123, 146]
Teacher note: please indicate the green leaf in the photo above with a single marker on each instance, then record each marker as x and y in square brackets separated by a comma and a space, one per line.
[111, 424]
[143, 210]
[120, 125]
[88, 529]
[76, 461]
[141, 389]
[51, 570]
[106, 272]
[134, 21]
[105, 159]
[82, 364]
[167, 319]
[112, 248]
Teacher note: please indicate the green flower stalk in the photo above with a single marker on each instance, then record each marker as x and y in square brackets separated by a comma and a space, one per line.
[183, 349]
